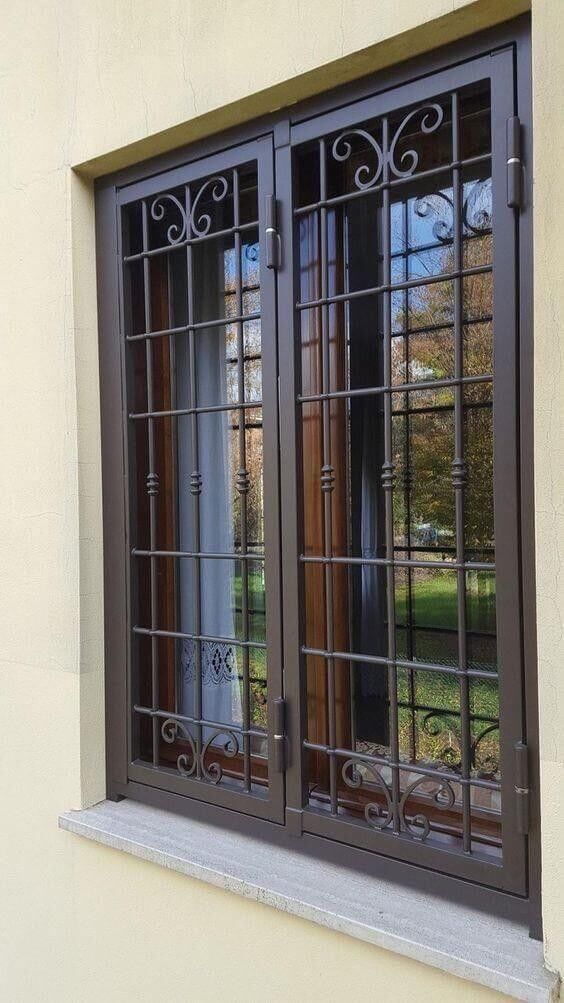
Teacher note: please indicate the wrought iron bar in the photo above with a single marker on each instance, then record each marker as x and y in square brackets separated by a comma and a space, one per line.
[390, 183]
[167, 248]
[195, 484]
[242, 483]
[458, 482]
[201, 325]
[402, 663]
[445, 325]
[157, 632]
[398, 562]
[174, 465]
[152, 485]
[327, 478]
[397, 388]
[407, 479]
[179, 412]
[398, 765]
[388, 478]
[391, 287]
[235, 556]
[204, 722]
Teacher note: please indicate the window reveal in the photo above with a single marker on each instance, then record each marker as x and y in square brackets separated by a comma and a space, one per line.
[386, 477]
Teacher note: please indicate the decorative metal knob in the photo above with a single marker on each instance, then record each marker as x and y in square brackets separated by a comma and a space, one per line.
[195, 482]
[388, 476]
[242, 481]
[458, 473]
[327, 477]
[152, 484]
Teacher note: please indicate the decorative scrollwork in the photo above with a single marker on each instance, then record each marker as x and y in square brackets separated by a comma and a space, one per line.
[377, 815]
[213, 771]
[431, 118]
[176, 231]
[443, 796]
[342, 150]
[170, 731]
[252, 252]
[435, 723]
[489, 764]
[201, 224]
[476, 220]
[425, 204]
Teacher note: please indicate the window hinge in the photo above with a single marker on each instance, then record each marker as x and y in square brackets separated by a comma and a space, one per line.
[280, 735]
[522, 787]
[273, 253]
[514, 164]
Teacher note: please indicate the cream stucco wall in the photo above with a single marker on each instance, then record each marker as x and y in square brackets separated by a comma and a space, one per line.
[95, 84]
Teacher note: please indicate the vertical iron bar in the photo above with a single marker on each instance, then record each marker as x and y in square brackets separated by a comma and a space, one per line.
[388, 477]
[458, 481]
[195, 486]
[242, 487]
[152, 486]
[407, 485]
[327, 480]
[174, 464]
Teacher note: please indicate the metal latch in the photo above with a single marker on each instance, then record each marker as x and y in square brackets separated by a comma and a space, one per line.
[272, 236]
[522, 787]
[280, 735]
[514, 164]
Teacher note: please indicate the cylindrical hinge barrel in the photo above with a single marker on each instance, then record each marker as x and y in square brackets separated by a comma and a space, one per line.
[514, 164]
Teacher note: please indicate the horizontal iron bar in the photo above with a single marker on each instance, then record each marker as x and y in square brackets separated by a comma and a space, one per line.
[445, 326]
[434, 629]
[179, 412]
[391, 287]
[449, 670]
[393, 183]
[167, 248]
[399, 412]
[149, 632]
[386, 562]
[197, 555]
[202, 325]
[400, 388]
[425, 771]
[445, 712]
[181, 718]
[417, 249]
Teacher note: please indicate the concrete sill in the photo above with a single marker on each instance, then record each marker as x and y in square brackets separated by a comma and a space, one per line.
[489, 951]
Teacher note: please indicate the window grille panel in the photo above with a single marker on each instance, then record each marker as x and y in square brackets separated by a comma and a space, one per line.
[393, 229]
[200, 655]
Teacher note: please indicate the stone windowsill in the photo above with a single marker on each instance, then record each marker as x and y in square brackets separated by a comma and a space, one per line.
[492, 952]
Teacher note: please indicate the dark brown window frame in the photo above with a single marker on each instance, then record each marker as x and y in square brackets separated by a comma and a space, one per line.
[515, 38]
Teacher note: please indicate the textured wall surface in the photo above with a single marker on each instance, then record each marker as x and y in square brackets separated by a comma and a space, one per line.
[97, 84]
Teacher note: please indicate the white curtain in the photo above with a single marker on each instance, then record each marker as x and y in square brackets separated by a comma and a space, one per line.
[221, 699]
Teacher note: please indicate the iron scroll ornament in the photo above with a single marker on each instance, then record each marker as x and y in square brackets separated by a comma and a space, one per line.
[476, 219]
[196, 222]
[381, 816]
[187, 761]
[366, 176]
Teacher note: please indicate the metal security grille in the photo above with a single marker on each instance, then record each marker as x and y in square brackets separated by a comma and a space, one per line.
[424, 295]
[194, 292]
[404, 299]
[313, 576]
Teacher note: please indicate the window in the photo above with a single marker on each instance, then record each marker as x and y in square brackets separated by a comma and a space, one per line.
[313, 573]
